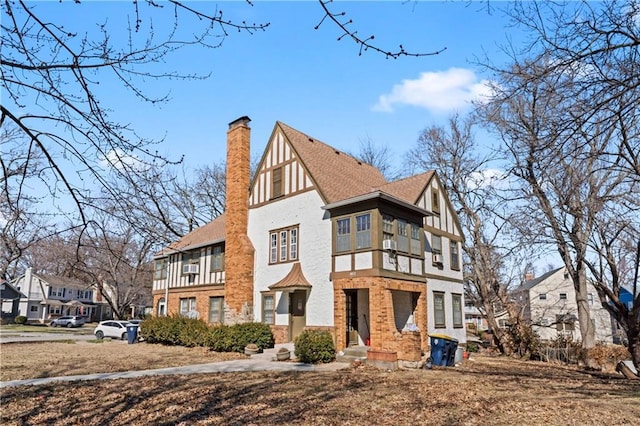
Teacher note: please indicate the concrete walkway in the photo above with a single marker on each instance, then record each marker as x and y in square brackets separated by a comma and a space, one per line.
[259, 362]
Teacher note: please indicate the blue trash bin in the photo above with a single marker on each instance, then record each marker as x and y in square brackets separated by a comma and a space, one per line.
[439, 355]
[132, 333]
[452, 347]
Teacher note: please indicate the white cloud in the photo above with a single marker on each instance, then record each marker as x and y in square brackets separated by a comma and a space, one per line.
[118, 159]
[440, 91]
[488, 178]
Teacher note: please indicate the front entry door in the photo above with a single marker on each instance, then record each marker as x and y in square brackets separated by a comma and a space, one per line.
[352, 317]
[297, 316]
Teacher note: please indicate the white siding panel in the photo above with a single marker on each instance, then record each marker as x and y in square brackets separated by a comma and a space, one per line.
[364, 260]
[403, 264]
[416, 266]
[343, 263]
[287, 179]
[388, 262]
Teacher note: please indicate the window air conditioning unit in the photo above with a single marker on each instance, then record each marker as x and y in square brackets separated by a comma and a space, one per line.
[191, 268]
[437, 259]
[389, 245]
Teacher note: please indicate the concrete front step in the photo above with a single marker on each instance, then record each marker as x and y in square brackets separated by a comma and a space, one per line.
[352, 353]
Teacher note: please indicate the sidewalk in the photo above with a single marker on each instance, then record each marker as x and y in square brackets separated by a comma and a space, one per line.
[259, 362]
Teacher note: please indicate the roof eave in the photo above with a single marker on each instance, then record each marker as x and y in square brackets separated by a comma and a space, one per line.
[372, 196]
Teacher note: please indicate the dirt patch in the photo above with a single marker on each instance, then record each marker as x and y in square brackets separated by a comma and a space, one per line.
[486, 390]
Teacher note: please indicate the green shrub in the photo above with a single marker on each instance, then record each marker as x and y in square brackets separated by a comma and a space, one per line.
[472, 347]
[251, 332]
[20, 319]
[175, 330]
[315, 346]
[219, 338]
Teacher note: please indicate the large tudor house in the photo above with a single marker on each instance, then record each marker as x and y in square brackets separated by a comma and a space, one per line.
[320, 240]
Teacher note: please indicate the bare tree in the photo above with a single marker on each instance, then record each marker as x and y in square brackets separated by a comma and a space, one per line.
[560, 148]
[51, 82]
[377, 156]
[484, 215]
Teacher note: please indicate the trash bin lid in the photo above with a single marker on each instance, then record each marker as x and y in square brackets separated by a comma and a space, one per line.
[442, 336]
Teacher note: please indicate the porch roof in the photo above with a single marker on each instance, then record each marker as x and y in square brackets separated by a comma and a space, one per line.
[294, 280]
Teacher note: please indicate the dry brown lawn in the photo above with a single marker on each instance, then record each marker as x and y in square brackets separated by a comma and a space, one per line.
[482, 391]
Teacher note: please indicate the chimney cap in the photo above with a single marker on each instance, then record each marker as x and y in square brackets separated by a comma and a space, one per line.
[244, 120]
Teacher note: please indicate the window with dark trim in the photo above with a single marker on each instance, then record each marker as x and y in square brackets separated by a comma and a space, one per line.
[563, 296]
[416, 233]
[435, 201]
[343, 234]
[438, 310]
[276, 183]
[160, 269]
[190, 258]
[284, 245]
[456, 307]
[543, 296]
[268, 308]
[402, 236]
[217, 258]
[187, 304]
[455, 256]
[436, 244]
[216, 310]
[363, 231]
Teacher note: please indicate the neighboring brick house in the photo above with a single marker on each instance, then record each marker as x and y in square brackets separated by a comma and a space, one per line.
[47, 297]
[549, 305]
[320, 240]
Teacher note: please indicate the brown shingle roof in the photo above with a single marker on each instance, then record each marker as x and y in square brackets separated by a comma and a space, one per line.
[337, 175]
[408, 189]
[206, 234]
[294, 279]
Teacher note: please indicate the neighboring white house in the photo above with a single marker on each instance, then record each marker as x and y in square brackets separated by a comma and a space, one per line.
[549, 303]
[48, 297]
[320, 240]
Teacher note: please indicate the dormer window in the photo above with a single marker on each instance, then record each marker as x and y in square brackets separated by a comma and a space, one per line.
[435, 201]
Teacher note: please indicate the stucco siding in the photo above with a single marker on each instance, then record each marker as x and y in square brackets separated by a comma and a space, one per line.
[314, 241]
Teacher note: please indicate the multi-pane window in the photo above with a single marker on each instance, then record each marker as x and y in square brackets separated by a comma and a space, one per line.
[56, 310]
[217, 259]
[284, 245]
[363, 231]
[456, 306]
[343, 234]
[33, 308]
[438, 310]
[276, 182]
[415, 239]
[543, 296]
[160, 269]
[455, 256]
[216, 310]
[590, 298]
[187, 304]
[563, 296]
[268, 308]
[402, 236]
[273, 256]
[387, 227]
[56, 291]
[436, 244]
[293, 243]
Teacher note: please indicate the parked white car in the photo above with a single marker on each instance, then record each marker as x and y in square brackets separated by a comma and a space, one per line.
[112, 328]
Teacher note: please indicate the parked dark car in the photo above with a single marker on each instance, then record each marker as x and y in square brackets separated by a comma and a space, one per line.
[67, 321]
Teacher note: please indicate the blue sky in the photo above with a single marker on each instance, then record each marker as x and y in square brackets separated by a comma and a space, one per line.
[308, 79]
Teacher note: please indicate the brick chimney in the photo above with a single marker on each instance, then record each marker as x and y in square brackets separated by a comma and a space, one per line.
[239, 251]
[528, 276]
